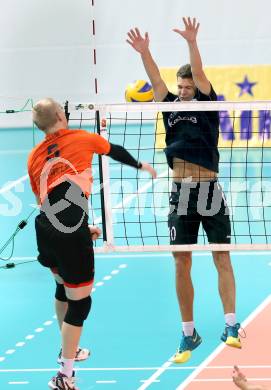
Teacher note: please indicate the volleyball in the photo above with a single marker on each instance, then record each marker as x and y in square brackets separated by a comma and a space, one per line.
[139, 91]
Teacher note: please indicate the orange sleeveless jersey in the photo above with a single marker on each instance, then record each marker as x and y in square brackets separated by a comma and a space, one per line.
[65, 154]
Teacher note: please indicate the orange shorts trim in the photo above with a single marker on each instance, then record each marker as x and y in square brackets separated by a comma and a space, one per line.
[70, 285]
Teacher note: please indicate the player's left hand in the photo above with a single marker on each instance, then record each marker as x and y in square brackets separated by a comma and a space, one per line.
[95, 232]
[191, 29]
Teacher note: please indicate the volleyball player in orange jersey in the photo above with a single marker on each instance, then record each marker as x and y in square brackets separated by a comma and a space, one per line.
[60, 174]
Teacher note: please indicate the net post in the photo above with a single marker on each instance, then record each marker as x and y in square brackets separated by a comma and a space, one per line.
[106, 210]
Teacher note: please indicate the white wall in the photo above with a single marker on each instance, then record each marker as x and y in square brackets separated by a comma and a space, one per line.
[46, 45]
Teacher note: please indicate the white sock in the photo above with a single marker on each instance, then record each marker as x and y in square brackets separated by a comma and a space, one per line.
[188, 328]
[230, 319]
[67, 366]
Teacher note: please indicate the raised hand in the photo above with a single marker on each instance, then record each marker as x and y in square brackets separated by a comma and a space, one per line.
[239, 378]
[137, 41]
[191, 29]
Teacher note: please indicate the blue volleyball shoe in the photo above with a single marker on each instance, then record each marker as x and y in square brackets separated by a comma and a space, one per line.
[187, 345]
[231, 336]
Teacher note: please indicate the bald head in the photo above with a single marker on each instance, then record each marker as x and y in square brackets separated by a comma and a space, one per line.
[47, 113]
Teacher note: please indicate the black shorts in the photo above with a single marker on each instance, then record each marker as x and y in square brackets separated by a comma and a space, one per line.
[195, 203]
[69, 255]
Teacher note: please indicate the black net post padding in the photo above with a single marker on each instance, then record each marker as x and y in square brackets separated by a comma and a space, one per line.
[97, 117]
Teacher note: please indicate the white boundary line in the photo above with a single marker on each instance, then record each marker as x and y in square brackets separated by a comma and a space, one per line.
[99, 369]
[230, 380]
[106, 382]
[18, 383]
[156, 375]
[203, 365]
[91, 369]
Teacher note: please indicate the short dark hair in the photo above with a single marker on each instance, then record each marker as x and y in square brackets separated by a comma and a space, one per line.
[185, 72]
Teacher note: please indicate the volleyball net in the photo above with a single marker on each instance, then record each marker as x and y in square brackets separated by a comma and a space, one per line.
[135, 208]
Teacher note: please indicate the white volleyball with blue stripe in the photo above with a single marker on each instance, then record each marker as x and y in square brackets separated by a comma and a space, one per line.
[139, 91]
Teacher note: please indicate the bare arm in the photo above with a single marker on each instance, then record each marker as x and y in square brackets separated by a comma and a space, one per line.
[141, 45]
[240, 380]
[190, 35]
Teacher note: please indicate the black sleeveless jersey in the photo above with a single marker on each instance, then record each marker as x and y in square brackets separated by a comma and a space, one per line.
[192, 135]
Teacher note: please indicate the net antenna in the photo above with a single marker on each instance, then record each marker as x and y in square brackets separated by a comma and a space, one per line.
[94, 51]
[136, 207]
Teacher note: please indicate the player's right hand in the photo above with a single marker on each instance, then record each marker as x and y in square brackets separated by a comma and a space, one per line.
[147, 167]
[137, 41]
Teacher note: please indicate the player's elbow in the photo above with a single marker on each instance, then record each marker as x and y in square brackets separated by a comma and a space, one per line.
[160, 91]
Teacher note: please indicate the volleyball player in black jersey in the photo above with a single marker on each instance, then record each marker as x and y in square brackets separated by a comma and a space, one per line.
[196, 197]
